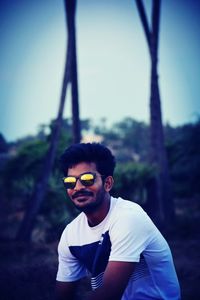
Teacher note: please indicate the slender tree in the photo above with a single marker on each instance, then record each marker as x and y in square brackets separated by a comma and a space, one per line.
[70, 7]
[25, 230]
[161, 203]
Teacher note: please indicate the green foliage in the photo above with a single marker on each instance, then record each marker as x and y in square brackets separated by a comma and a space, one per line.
[131, 181]
[22, 169]
[184, 160]
[3, 144]
[128, 138]
[21, 172]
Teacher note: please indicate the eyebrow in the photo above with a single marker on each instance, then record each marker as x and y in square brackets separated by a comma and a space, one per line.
[87, 172]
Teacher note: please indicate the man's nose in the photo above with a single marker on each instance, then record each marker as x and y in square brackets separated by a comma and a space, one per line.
[78, 186]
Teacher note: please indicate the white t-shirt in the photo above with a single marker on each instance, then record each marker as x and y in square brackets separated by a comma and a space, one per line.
[126, 234]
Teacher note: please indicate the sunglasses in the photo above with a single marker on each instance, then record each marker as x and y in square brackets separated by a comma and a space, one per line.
[86, 179]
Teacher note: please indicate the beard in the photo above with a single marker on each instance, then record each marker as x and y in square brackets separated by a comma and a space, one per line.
[92, 206]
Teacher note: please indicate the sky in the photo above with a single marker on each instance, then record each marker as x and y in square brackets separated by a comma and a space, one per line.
[113, 62]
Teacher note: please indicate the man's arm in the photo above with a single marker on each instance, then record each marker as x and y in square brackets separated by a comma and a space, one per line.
[115, 280]
[65, 290]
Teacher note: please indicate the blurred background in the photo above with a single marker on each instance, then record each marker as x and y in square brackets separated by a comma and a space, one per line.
[124, 73]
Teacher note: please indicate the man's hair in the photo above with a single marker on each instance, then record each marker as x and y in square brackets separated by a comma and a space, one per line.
[89, 152]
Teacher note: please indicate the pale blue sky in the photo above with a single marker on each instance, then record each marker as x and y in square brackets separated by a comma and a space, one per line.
[113, 62]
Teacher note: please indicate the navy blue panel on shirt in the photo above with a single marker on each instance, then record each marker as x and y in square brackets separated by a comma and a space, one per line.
[94, 256]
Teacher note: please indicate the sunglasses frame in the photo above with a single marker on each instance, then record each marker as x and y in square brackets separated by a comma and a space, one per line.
[79, 178]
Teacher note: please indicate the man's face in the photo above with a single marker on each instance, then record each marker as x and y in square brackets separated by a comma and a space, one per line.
[86, 198]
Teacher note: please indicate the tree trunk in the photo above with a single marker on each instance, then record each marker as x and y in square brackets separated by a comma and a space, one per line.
[70, 6]
[162, 210]
[24, 233]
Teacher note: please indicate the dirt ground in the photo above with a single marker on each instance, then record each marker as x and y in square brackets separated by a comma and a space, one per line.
[28, 272]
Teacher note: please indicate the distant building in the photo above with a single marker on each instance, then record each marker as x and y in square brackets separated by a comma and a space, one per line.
[92, 138]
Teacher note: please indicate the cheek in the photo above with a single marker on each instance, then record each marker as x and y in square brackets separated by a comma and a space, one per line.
[69, 193]
[97, 189]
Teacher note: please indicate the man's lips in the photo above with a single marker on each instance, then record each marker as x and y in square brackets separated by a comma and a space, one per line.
[82, 195]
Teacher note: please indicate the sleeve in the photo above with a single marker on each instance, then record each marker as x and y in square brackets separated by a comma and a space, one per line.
[69, 268]
[130, 233]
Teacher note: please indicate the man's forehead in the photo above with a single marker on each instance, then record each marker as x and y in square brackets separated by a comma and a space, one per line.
[82, 167]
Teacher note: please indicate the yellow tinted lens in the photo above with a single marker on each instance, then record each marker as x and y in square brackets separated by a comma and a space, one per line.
[87, 177]
[69, 179]
[70, 182]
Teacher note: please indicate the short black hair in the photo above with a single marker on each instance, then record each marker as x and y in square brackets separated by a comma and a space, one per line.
[89, 152]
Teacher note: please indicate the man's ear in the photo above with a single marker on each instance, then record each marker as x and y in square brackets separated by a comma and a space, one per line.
[108, 184]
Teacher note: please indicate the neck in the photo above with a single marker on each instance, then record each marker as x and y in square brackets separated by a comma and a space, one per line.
[96, 217]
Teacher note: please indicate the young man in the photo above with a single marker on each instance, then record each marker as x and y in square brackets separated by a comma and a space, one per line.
[112, 239]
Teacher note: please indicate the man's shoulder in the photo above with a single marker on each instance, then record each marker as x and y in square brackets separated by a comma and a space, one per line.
[126, 206]
[129, 212]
